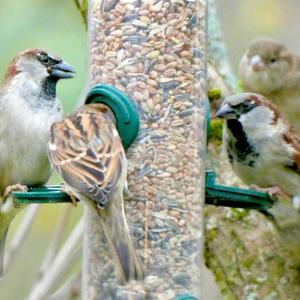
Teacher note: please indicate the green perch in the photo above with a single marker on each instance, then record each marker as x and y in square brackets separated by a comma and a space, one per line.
[215, 194]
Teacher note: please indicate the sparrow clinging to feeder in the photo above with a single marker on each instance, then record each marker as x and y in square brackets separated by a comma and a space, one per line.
[87, 152]
[261, 146]
[28, 107]
[269, 68]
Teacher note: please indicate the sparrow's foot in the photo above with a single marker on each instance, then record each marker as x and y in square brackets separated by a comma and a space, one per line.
[273, 192]
[11, 188]
[70, 194]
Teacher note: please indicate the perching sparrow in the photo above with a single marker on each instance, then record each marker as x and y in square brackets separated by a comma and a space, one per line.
[262, 147]
[28, 107]
[86, 150]
[272, 70]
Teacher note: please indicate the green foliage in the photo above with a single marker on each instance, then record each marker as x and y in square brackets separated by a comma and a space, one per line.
[236, 214]
[216, 129]
[240, 87]
[214, 94]
[82, 5]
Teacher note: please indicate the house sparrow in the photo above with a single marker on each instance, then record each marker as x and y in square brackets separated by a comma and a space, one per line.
[86, 150]
[28, 107]
[261, 146]
[272, 70]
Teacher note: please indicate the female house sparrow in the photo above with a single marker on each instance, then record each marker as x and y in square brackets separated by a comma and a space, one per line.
[86, 150]
[262, 147]
[270, 69]
[28, 107]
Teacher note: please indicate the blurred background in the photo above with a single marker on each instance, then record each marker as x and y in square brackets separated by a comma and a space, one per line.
[242, 21]
[56, 25]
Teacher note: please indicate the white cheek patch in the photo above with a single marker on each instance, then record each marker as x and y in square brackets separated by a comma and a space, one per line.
[258, 116]
[33, 67]
[258, 123]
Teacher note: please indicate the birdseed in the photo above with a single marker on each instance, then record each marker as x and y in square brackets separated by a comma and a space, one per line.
[154, 52]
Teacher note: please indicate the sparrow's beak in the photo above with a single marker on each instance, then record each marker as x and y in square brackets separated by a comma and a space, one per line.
[225, 111]
[62, 70]
[256, 63]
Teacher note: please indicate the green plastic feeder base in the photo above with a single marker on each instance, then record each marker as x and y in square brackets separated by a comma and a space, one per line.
[43, 194]
[127, 119]
[221, 195]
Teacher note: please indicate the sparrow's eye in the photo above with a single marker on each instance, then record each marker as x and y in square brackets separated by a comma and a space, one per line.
[273, 60]
[246, 106]
[44, 59]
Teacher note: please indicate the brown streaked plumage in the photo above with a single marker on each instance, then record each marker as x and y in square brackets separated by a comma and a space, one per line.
[262, 147]
[86, 150]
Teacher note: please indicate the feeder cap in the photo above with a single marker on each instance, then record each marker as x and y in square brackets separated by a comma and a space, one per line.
[123, 107]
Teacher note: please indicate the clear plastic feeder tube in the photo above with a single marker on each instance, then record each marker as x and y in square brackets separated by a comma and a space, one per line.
[154, 51]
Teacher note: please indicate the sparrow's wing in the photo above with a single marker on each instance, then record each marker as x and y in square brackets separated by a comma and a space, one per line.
[87, 152]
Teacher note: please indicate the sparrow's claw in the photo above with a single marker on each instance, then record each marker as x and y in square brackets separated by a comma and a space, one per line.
[70, 194]
[11, 188]
[273, 192]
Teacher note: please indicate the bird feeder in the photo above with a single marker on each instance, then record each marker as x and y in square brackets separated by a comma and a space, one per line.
[154, 52]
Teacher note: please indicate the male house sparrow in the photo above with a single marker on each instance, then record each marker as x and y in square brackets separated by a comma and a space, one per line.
[262, 147]
[28, 107]
[272, 70]
[86, 150]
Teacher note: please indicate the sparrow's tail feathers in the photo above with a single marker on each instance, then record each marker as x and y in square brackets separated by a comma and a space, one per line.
[127, 263]
[2, 246]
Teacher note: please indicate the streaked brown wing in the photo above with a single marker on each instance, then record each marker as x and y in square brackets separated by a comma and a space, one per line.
[293, 152]
[87, 152]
